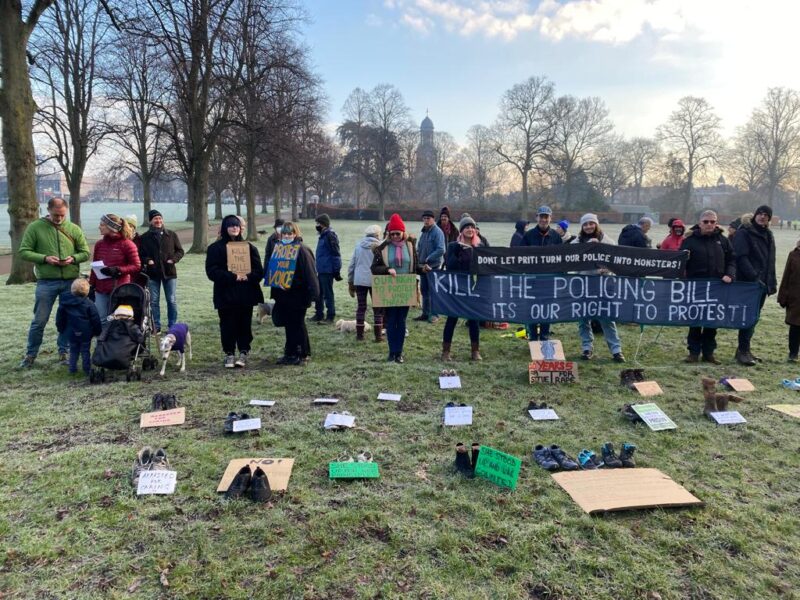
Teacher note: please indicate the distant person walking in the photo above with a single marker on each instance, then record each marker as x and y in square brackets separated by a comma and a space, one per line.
[120, 257]
[430, 250]
[160, 250]
[329, 268]
[57, 247]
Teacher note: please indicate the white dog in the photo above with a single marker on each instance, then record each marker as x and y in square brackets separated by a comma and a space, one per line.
[179, 339]
[350, 326]
[264, 311]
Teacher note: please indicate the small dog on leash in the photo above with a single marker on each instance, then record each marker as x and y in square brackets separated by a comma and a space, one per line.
[343, 326]
[178, 339]
[264, 311]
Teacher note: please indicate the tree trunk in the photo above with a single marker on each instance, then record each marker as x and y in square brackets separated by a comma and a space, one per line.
[276, 200]
[381, 212]
[250, 198]
[75, 201]
[294, 199]
[217, 206]
[16, 110]
[147, 198]
[189, 204]
[237, 202]
[304, 192]
[525, 207]
[198, 200]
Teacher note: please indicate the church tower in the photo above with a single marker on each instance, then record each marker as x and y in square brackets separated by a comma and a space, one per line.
[424, 173]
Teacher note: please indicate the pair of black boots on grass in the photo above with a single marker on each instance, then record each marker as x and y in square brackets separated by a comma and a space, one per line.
[553, 458]
[628, 377]
[250, 484]
[466, 462]
[164, 402]
[231, 419]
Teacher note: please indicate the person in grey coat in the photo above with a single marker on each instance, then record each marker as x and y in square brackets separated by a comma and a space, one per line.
[430, 250]
[359, 281]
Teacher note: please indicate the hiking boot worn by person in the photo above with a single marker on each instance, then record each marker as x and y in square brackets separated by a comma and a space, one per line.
[27, 362]
[564, 460]
[587, 355]
[626, 455]
[446, 352]
[239, 484]
[316, 318]
[792, 358]
[63, 358]
[619, 357]
[610, 457]
[476, 355]
[143, 462]
[422, 317]
[544, 458]
[710, 358]
[230, 361]
[259, 486]
[692, 358]
[242, 360]
[743, 357]
[398, 358]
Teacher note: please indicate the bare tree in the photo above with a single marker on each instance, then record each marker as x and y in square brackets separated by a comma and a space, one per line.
[481, 162]
[356, 111]
[744, 160]
[443, 167]
[692, 134]
[525, 131]
[611, 170]
[640, 155]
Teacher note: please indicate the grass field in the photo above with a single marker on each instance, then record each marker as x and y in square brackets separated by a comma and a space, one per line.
[72, 527]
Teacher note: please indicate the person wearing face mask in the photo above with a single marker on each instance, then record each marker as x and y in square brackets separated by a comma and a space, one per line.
[294, 291]
[329, 268]
[674, 239]
[234, 295]
[273, 239]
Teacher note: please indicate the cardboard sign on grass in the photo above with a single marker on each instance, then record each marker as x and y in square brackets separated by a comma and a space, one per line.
[326, 401]
[546, 350]
[451, 382]
[543, 414]
[552, 371]
[605, 490]
[727, 417]
[278, 471]
[262, 402]
[246, 424]
[156, 482]
[390, 397]
[238, 257]
[400, 290]
[740, 385]
[162, 418]
[648, 388]
[455, 416]
[793, 410]
[498, 467]
[654, 417]
[353, 470]
[337, 420]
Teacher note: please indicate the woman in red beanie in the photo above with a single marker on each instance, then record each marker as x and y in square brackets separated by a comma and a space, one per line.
[396, 255]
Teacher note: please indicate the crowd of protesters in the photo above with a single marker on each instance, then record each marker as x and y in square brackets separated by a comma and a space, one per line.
[57, 247]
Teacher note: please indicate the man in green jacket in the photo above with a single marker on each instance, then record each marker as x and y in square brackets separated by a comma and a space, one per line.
[56, 247]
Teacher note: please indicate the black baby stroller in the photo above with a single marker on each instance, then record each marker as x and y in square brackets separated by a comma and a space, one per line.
[125, 344]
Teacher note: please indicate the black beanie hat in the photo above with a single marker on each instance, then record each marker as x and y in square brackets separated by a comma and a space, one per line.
[764, 209]
[153, 214]
[323, 220]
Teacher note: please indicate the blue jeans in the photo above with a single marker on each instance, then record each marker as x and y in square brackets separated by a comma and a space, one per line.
[47, 290]
[170, 285]
[101, 302]
[609, 332]
[394, 319]
[80, 348]
[325, 296]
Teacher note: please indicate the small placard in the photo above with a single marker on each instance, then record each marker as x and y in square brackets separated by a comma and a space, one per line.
[728, 417]
[450, 383]
[543, 414]
[457, 415]
[654, 417]
[326, 401]
[390, 397]
[648, 388]
[498, 467]
[337, 420]
[162, 418]
[156, 482]
[262, 402]
[740, 385]
[246, 424]
[353, 470]
[238, 257]
[96, 266]
[278, 471]
[793, 410]
[546, 350]
[552, 371]
[398, 290]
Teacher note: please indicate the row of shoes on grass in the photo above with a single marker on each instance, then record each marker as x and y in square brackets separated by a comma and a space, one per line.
[164, 402]
[537, 406]
[466, 461]
[250, 484]
[362, 456]
[553, 458]
[231, 419]
[448, 373]
[147, 460]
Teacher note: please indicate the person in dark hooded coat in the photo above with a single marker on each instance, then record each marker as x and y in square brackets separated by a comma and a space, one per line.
[518, 239]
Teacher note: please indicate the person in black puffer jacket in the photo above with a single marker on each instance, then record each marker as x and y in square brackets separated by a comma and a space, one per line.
[710, 257]
[754, 248]
[234, 295]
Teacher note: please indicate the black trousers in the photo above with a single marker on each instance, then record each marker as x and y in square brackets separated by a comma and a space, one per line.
[297, 342]
[235, 328]
[794, 339]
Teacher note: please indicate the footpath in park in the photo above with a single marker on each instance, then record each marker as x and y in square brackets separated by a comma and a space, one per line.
[185, 236]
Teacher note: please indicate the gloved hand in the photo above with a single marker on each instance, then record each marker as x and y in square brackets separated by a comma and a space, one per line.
[114, 272]
[351, 289]
[337, 276]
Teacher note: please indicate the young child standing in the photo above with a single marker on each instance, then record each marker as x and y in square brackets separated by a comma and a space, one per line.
[77, 316]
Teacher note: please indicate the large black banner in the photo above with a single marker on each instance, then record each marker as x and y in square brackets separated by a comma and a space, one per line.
[621, 260]
[552, 299]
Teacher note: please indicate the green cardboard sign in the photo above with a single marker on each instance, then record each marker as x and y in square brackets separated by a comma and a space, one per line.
[498, 467]
[353, 470]
[400, 290]
[654, 417]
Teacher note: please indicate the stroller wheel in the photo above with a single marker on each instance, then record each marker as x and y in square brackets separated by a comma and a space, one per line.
[102, 375]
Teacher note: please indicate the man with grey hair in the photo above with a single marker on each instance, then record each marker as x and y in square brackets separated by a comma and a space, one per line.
[636, 234]
[710, 257]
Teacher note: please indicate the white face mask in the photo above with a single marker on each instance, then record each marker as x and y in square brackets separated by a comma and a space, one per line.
[287, 240]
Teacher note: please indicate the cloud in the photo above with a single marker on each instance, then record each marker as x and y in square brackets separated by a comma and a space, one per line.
[373, 20]
[423, 25]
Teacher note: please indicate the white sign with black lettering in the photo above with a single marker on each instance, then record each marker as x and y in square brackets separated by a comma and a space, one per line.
[337, 420]
[457, 415]
[262, 402]
[156, 482]
[390, 397]
[728, 417]
[246, 424]
[543, 414]
[450, 383]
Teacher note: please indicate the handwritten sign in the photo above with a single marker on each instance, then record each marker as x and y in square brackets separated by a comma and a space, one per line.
[455, 416]
[262, 402]
[793, 410]
[156, 482]
[543, 414]
[238, 257]
[451, 382]
[326, 401]
[162, 418]
[282, 266]
[648, 388]
[353, 470]
[546, 350]
[740, 385]
[654, 417]
[390, 397]
[552, 371]
[498, 467]
[400, 290]
[727, 417]
[278, 471]
[335, 420]
[246, 424]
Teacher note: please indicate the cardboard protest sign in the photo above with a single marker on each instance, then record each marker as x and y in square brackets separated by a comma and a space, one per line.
[605, 490]
[451, 382]
[278, 471]
[455, 416]
[238, 257]
[793, 410]
[335, 420]
[727, 417]
[282, 265]
[654, 417]
[552, 371]
[543, 414]
[246, 424]
[326, 400]
[353, 470]
[262, 402]
[560, 298]
[162, 418]
[390, 397]
[498, 467]
[648, 388]
[740, 385]
[546, 350]
[400, 290]
[156, 482]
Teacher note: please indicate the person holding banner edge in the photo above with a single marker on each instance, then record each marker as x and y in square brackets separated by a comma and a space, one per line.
[541, 235]
[396, 255]
[430, 249]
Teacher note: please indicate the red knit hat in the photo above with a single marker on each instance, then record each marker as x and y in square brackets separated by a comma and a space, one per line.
[396, 223]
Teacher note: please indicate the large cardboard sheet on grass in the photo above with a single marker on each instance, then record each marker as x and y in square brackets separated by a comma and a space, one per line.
[793, 410]
[278, 471]
[547, 350]
[623, 489]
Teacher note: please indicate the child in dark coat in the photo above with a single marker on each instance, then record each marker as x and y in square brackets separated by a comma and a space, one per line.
[77, 316]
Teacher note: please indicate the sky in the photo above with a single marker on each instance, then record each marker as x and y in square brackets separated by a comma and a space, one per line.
[455, 58]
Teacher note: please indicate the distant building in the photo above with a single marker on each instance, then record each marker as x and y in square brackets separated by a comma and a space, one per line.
[425, 170]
